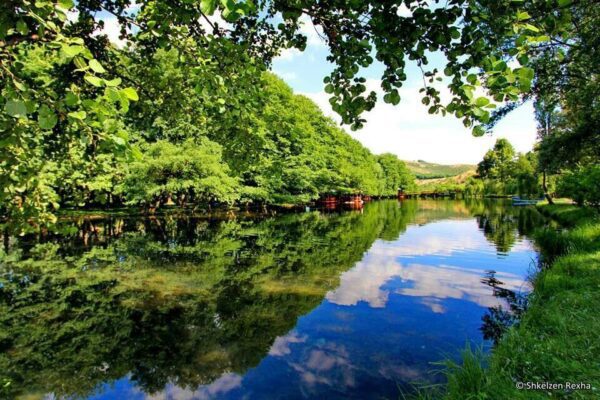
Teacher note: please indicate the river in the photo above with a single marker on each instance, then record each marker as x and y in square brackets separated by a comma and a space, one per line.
[323, 305]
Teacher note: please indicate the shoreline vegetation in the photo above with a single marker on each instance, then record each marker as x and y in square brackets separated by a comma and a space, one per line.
[556, 341]
[284, 153]
[183, 113]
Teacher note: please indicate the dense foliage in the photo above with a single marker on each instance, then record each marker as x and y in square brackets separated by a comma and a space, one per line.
[258, 143]
[75, 107]
[582, 185]
[187, 173]
[504, 171]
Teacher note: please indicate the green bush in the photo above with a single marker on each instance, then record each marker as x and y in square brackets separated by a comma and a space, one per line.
[582, 185]
[189, 172]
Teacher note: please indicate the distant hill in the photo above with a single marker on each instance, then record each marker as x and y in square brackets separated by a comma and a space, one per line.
[425, 185]
[425, 170]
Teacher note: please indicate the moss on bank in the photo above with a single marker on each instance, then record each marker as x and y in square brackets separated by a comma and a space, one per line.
[558, 339]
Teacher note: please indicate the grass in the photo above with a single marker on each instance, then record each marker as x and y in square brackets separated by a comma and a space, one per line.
[569, 215]
[558, 338]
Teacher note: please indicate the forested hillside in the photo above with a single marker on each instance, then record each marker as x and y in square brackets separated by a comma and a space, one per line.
[279, 149]
[425, 170]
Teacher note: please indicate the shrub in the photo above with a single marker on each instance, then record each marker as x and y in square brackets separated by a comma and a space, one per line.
[582, 185]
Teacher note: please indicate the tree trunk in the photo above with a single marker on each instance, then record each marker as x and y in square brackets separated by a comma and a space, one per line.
[6, 240]
[545, 188]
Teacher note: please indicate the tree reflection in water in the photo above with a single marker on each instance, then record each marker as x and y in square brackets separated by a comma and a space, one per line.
[183, 300]
[498, 319]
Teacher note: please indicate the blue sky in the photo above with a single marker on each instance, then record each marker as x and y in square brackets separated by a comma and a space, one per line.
[406, 130]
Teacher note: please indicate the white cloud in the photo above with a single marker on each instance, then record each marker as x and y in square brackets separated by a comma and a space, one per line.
[112, 29]
[224, 384]
[404, 11]
[288, 54]
[314, 34]
[430, 283]
[325, 364]
[314, 40]
[364, 282]
[73, 15]
[410, 132]
[281, 345]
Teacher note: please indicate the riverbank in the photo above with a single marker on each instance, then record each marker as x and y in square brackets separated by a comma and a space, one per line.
[557, 340]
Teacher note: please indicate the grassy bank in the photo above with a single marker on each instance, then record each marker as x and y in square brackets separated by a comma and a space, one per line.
[558, 339]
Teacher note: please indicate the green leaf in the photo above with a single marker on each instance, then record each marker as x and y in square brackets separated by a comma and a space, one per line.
[478, 131]
[71, 99]
[96, 66]
[523, 15]
[499, 66]
[113, 82]
[532, 28]
[130, 93]
[395, 97]
[112, 94]
[65, 4]
[80, 63]
[19, 86]
[524, 85]
[22, 27]
[468, 91]
[94, 80]
[482, 101]
[208, 6]
[526, 73]
[15, 108]
[46, 118]
[72, 51]
[78, 115]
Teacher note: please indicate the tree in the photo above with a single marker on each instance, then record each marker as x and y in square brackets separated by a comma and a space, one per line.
[61, 81]
[396, 174]
[192, 172]
[525, 174]
[582, 185]
[498, 162]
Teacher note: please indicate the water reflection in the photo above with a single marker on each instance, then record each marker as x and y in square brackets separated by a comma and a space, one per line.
[311, 305]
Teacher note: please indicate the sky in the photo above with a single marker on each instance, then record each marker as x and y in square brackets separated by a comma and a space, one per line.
[406, 130]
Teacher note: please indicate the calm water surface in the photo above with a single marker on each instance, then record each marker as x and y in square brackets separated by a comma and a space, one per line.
[354, 304]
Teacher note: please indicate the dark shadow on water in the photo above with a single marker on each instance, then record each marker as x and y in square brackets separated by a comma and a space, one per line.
[499, 319]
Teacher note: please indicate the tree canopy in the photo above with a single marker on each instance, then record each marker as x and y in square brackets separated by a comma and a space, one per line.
[68, 97]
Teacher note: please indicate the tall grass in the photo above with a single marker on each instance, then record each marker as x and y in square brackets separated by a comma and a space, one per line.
[554, 243]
